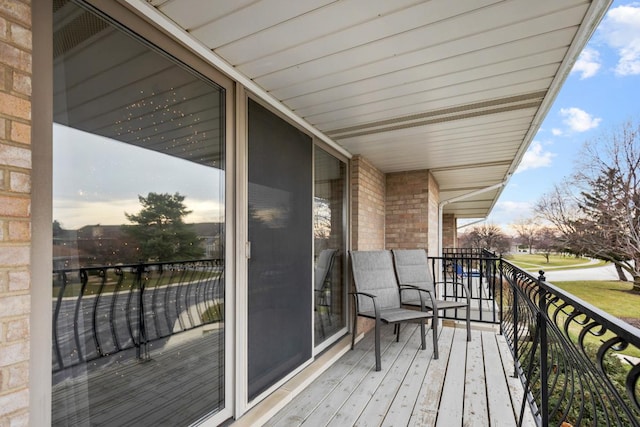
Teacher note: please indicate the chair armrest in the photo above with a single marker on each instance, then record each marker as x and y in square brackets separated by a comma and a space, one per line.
[407, 287]
[464, 287]
[373, 300]
[363, 293]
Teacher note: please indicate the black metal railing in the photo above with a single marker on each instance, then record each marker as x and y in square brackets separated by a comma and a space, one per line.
[575, 361]
[478, 271]
[105, 310]
[578, 364]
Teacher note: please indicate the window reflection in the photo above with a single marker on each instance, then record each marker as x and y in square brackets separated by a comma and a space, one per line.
[138, 231]
[328, 227]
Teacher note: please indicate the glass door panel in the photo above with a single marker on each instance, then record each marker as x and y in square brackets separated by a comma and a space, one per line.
[138, 287]
[329, 245]
[280, 230]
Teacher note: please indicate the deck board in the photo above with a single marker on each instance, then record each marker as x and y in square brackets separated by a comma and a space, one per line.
[377, 407]
[169, 389]
[451, 401]
[350, 407]
[499, 398]
[409, 391]
[425, 410]
[471, 384]
[515, 387]
[412, 389]
[476, 413]
[312, 397]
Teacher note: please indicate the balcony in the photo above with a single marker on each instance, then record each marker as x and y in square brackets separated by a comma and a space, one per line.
[550, 359]
[538, 356]
[471, 383]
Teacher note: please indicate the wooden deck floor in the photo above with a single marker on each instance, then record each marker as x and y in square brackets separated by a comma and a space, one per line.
[179, 384]
[469, 385]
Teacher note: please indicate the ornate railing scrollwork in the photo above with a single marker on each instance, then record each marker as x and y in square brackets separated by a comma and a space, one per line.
[104, 310]
[579, 365]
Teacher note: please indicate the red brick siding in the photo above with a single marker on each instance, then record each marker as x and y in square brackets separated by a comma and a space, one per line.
[434, 216]
[367, 205]
[449, 231]
[15, 210]
[407, 210]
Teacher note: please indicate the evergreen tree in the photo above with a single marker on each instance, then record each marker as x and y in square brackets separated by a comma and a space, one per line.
[160, 230]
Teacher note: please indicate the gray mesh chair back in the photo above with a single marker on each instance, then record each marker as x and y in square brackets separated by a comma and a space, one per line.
[322, 286]
[323, 267]
[412, 268]
[373, 273]
[377, 297]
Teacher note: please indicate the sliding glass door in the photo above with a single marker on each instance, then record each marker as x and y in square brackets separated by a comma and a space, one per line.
[280, 265]
[329, 219]
[139, 231]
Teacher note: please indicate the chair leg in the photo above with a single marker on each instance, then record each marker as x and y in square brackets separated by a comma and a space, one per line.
[434, 331]
[397, 325]
[319, 313]
[355, 329]
[422, 333]
[377, 333]
[468, 324]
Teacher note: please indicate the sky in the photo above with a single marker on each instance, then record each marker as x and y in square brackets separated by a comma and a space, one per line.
[97, 182]
[601, 92]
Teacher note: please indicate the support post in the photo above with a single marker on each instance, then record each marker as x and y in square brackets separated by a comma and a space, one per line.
[515, 327]
[544, 351]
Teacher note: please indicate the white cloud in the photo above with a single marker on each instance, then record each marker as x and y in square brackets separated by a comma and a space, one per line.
[588, 63]
[535, 158]
[621, 30]
[508, 212]
[556, 131]
[579, 120]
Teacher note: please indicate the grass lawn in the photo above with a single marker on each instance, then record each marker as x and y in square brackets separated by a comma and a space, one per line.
[533, 262]
[610, 296]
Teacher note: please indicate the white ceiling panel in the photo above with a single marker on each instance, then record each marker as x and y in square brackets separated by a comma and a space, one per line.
[355, 35]
[191, 14]
[311, 27]
[416, 47]
[260, 14]
[551, 46]
[455, 87]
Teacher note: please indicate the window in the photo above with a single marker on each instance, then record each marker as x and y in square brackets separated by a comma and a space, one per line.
[139, 230]
[329, 245]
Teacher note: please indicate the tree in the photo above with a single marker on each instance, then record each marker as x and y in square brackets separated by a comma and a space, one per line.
[597, 210]
[486, 236]
[160, 230]
[57, 228]
[546, 241]
[526, 230]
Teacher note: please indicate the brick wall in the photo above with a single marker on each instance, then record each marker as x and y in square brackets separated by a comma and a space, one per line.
[434, 216]
[367, 213]
[15, 205]
[407, 210]
[367, 205]
[449, 231]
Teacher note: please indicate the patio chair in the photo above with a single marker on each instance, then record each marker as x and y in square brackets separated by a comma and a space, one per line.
[322, 287]
[412, 268]
[377, 297]
[462, 273]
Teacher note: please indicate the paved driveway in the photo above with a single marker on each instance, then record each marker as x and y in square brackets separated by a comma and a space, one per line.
[608, 272]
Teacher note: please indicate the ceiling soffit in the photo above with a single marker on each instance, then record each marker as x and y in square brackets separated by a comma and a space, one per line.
[459, 88]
